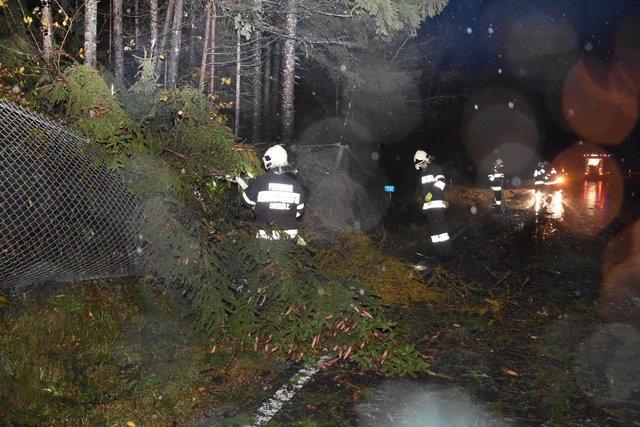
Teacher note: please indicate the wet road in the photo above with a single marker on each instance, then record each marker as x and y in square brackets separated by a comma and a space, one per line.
[585, 207]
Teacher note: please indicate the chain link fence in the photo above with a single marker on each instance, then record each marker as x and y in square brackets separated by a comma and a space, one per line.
[63, 215]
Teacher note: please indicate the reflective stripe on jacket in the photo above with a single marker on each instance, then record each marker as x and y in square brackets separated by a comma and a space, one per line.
[277, 199]
[433, 181]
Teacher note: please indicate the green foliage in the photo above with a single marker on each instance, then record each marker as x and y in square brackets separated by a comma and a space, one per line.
[141, 98]
[90, 107]
[197, 143]
[272, 299]
[20, 72]
[393, 16]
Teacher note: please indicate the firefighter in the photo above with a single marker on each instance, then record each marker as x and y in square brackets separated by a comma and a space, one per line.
[433, 182]
[276, 197]
[497, 180]
[544, 182]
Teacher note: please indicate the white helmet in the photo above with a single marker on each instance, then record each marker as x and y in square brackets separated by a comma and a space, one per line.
[420, 157]
[274, 157]
[498, 163]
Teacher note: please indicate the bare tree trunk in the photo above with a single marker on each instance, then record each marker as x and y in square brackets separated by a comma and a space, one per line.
[276, 60]
[266, 88]
[90, 32]
[136, 20]
[47, 35]
[212, 62]
[168, 17]
[256, 76]
[192, 36]
[236, 128]
[289, 71]
[153, 30]
[205, 47]
[116, 43]
[174, 54]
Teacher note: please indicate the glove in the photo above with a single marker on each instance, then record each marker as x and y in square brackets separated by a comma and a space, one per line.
[446, 204]
[428, 197]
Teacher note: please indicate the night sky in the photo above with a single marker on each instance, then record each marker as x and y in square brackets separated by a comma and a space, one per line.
[559, 76]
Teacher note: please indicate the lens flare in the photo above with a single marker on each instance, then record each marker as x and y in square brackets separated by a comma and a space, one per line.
[490, 127]
[600, 101]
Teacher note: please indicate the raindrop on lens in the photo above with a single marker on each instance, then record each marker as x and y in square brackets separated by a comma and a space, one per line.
[473, 210]
[92, 113]
[516, 181]
[469, 30]
[321, 291]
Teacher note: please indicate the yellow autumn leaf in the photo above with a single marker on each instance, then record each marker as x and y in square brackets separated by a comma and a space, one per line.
[127, 48]
[2, 4]
[28, 20]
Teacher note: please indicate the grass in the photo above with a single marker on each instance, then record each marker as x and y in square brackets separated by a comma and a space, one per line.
[98, 353]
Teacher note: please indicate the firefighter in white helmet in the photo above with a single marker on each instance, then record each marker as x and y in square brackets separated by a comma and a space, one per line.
[497, 180]
[433, 182]
[276, 197]
[544, 182]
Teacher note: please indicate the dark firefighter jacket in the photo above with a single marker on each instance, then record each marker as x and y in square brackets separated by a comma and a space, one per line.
[496, 178]
[433, 181]
[277, 199]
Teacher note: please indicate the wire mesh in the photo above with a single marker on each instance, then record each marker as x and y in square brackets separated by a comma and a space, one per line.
[63, 215]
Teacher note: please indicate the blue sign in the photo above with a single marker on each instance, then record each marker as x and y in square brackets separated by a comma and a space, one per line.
[389, 188]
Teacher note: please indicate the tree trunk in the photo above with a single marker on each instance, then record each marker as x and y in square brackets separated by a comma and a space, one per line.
[168, 17]
[153, 30]
[236, 128]
[192, 36]
[205, 48]
[276, 60]
[212, 61]
[266, 89]
[174, 54]
[289, 72]
[136, 20]
[47, 35]
[90, 32]
[256, 76]
[116, 41]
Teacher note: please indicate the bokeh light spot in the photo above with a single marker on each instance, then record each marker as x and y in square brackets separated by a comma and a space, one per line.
[600, 101]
